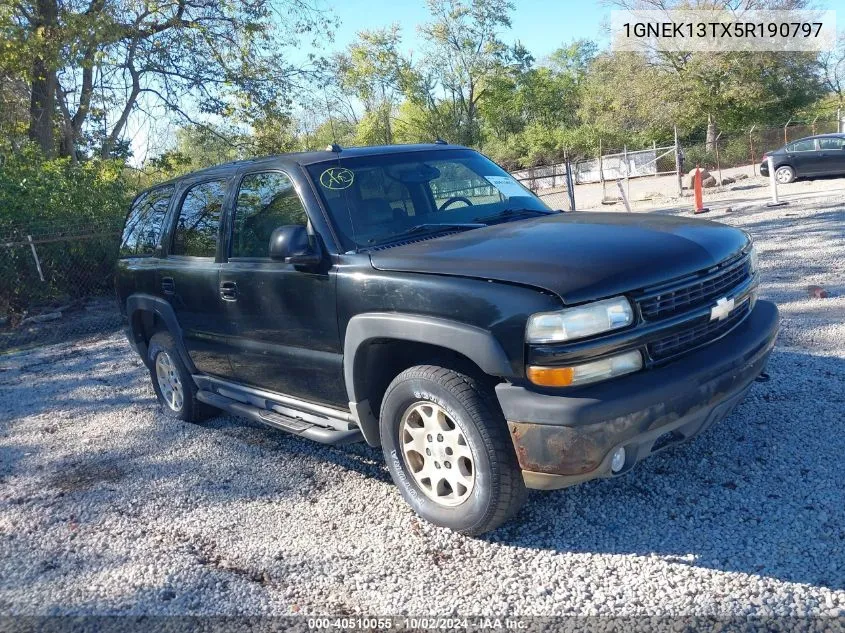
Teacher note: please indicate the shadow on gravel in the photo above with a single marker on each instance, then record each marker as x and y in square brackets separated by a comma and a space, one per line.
[761, 493]
[69, 371]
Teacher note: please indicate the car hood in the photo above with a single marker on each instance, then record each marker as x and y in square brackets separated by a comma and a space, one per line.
[577, 256]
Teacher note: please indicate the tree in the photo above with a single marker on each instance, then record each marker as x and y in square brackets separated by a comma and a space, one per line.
[375, 72]
[464, 54]
[646, 108]
[541, 97]
[722, 88]
[832, 64]
[104, 60]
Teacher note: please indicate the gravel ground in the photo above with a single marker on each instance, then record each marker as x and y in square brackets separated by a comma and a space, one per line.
[109, 507]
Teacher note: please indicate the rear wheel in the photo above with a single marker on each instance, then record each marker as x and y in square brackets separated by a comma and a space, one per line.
[173, 383]
[448, 450]
[784, 174]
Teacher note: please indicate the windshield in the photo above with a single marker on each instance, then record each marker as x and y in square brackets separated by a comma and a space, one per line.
[375, 200]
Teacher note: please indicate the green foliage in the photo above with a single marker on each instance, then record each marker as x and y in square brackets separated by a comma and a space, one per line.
[465, 54]
[85, 60]
[52, 199]
[59, 194]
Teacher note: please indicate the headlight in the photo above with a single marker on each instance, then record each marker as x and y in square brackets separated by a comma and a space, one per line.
[588, 372]
[575, 323]
[755, 261]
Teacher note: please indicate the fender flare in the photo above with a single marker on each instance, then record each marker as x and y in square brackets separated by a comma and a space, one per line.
[164, 311]
[477, 344]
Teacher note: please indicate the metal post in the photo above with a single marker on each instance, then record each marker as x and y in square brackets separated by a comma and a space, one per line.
[570, 187]
[627, 171]
[773, 185]
[624, 197]
[654, 149]
[751, 143]
[601, 175]
[35, 257]
[718, 164]
[678, 164]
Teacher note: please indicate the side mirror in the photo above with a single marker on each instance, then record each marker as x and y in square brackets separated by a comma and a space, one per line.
[293, 245]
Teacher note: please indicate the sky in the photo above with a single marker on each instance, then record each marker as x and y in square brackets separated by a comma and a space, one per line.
[541, 25]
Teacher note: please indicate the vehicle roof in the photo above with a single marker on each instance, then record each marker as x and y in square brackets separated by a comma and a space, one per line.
[312, 157]
[828, 135]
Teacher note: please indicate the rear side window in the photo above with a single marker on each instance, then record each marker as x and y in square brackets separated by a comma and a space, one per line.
[807, 145]
[832, 143]
[145, 222]
[199, 219]
[266, 201]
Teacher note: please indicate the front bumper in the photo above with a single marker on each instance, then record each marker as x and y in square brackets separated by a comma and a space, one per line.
[566, 438]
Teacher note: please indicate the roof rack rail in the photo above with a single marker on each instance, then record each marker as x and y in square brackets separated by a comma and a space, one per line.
[440, 141]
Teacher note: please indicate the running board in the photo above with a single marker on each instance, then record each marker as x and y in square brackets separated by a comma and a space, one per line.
[321, 434]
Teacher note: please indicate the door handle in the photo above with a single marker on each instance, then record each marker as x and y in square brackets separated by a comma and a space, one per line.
[168, 286]
[229, 290]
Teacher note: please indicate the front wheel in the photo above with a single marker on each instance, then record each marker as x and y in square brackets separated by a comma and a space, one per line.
[448, 450]
[784, 174]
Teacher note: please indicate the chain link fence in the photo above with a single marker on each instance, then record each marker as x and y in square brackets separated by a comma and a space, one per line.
[738, 149]
[640, 173]
[553, 183]
[56, 283]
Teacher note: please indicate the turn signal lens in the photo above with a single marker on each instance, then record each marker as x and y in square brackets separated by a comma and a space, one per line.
[551, 376]
[588, 372]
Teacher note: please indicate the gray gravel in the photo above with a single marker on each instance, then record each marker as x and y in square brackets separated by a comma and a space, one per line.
[109, 507]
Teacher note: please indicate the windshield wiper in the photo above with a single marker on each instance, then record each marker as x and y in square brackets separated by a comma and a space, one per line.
[510, 214]
[432, 228]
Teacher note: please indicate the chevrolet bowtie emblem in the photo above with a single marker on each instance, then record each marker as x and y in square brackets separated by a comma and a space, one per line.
[722, 309]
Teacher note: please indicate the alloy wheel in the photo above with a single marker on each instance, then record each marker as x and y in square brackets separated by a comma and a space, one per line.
[437, 454]
[168, 381]
[783, 175]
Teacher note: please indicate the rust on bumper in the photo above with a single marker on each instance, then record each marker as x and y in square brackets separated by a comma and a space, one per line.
[556, 456]
[565, 439]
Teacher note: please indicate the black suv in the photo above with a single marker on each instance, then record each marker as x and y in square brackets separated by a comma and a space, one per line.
[420, 299]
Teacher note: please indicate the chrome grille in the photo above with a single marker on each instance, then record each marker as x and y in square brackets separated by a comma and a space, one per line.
[698, 292]
[703, 331]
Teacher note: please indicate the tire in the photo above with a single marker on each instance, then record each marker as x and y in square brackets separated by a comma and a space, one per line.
[176, 391]
[784, 174]
[478, 485]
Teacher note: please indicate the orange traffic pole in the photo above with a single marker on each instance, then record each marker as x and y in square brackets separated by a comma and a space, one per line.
[699, 194]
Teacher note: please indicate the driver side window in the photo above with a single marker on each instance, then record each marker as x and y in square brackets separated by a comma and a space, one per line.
[265, 202]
